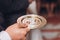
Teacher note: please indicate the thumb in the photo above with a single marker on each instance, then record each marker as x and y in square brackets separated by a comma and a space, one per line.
[21, 25]
[27, 29]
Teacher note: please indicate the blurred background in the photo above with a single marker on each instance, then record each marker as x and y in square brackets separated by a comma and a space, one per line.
[50, 9]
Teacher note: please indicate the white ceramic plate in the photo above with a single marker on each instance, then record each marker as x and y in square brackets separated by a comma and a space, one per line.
[33, 21]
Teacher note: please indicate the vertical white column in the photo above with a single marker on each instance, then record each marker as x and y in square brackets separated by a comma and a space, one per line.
[36, 33]
[32, 7]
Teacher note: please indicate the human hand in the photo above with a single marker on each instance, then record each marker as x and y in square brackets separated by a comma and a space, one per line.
[17, 31]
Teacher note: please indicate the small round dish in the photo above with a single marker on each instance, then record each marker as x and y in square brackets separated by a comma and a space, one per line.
[33, 21]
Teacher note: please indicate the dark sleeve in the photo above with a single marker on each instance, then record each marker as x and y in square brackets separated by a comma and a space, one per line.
[12, 9]
[19, 4]
[1, 21]
[13, 5]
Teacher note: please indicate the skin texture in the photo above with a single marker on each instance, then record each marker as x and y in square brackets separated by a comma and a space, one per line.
[17, 31]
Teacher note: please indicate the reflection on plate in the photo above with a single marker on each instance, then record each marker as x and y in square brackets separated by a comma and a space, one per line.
[33, 21]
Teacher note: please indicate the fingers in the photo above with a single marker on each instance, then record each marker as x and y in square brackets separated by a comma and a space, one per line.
[27, 29]
[24, 38]
[21, 25]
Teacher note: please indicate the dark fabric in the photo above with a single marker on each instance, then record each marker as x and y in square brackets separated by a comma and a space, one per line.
[49, 1]
[1, 28]
[43, 10]
[12, 9]
[7, 6]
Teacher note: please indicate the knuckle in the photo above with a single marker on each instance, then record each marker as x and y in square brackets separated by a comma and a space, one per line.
[24, 32]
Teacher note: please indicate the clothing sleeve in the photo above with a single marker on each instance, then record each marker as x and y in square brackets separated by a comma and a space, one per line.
[13, 5]
[19, 4]
[2, 20]
[4, 36]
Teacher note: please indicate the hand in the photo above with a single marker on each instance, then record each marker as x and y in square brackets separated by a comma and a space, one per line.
[17, 31]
